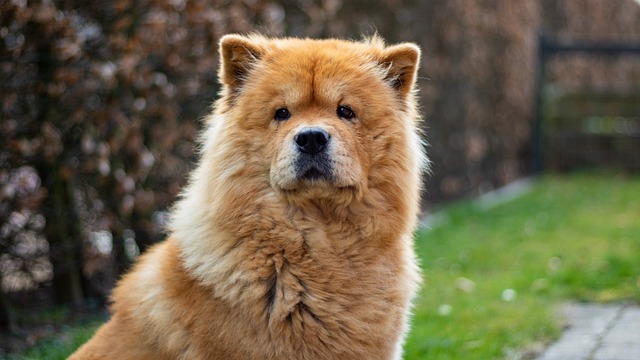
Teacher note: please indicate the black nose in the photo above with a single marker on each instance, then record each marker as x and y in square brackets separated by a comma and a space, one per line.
[312, 140]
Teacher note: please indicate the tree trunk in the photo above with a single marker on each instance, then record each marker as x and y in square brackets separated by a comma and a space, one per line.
[63, 238]
[7, 317]
[62, 227]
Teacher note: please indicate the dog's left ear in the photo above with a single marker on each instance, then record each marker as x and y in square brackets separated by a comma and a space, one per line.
[402, 63]
[238, 54]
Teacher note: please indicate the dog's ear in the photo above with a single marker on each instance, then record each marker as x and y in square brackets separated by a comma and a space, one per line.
[401, 62]
[238, 55]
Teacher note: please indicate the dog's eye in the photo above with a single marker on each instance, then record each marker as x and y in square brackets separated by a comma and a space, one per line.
[282, 114]
[345, 112]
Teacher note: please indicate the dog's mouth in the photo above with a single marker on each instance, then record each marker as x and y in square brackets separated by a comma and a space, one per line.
[313, 174]
[314, 180]
[313, 169]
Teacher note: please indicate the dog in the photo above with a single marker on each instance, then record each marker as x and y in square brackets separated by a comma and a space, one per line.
[293, 238]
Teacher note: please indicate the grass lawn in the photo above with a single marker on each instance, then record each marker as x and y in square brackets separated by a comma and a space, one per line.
[60, 348]
[494, 277]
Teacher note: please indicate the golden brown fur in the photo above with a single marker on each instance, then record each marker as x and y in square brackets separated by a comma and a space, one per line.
[266, 263]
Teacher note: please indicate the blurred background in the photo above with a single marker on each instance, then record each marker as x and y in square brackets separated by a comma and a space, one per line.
[101, 101]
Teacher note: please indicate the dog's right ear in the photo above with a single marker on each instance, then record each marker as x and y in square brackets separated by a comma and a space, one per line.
[238, 55]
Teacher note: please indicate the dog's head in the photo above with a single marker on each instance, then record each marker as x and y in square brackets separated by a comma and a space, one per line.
[320, 117]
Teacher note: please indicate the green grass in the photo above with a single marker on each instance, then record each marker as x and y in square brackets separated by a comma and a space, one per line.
[569, 238]
[59, 348]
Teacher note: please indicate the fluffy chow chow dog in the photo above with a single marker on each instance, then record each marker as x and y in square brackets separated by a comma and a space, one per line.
[293, 239]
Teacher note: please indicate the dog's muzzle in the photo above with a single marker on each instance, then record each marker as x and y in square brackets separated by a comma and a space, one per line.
[313, 159]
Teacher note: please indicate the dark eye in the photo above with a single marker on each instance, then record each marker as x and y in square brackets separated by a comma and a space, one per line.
[345, 112]
[282, 114]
